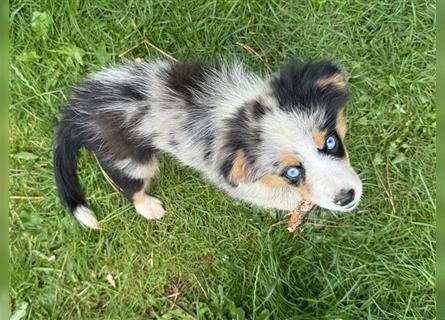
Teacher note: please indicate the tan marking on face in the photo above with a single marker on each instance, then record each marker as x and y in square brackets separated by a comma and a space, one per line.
[341, 130]
[274, 181]
[341, 125]
[319, 138]
[346, 158]
[304, 190]
[239, 170]
[288, 159]
[337, 80]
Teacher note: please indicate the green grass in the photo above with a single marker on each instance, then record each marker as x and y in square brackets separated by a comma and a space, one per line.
[212, 257]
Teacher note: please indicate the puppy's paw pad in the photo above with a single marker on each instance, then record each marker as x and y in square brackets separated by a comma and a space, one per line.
[151, 208]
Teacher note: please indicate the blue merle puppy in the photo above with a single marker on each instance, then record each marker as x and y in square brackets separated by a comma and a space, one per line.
[269, 141]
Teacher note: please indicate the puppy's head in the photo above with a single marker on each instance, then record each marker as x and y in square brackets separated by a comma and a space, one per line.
[292, 137]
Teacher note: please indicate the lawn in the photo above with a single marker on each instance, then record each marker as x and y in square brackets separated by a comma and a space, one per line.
[212, 257]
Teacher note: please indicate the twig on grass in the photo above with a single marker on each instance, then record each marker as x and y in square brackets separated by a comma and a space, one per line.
[249, 49]
[147, 44]
[311, 223]
[129, 50]
[107, 177]
[252, 51]
[25, 197]
[389, 191]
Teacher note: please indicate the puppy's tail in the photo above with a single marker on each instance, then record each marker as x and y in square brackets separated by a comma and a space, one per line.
[65, 164]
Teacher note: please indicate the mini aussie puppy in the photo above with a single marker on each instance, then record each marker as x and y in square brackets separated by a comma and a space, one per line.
[271, 142]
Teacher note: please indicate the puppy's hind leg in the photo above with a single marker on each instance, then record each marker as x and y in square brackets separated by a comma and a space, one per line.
[132, 178]
[148, 206]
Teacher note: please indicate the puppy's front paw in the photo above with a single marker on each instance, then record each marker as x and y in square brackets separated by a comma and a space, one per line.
[151, 208]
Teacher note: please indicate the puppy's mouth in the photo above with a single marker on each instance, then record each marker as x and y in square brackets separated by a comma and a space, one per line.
[349, 207]
[342, 200]
[335, 206]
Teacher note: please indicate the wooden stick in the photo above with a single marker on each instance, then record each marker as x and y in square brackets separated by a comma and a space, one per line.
[129, 50]
[25, 198]
[107, 177]
[249, 49]
[159, 50]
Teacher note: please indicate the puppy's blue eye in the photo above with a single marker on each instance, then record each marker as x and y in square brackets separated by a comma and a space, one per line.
[331, 143]
[293, 172]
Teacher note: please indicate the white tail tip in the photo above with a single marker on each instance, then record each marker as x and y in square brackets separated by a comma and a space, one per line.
[86, 217]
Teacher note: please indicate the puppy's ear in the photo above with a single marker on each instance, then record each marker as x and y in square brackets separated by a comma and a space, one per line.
[332, 89]
[323, 73]
[305, 84]
[335, 80]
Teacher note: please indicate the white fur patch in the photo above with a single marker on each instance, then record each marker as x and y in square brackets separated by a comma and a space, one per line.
[86, 217]
[135, 170]
[151, 208]
[264, 196]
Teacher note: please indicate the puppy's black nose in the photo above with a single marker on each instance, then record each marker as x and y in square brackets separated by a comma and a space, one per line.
[345, 197]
